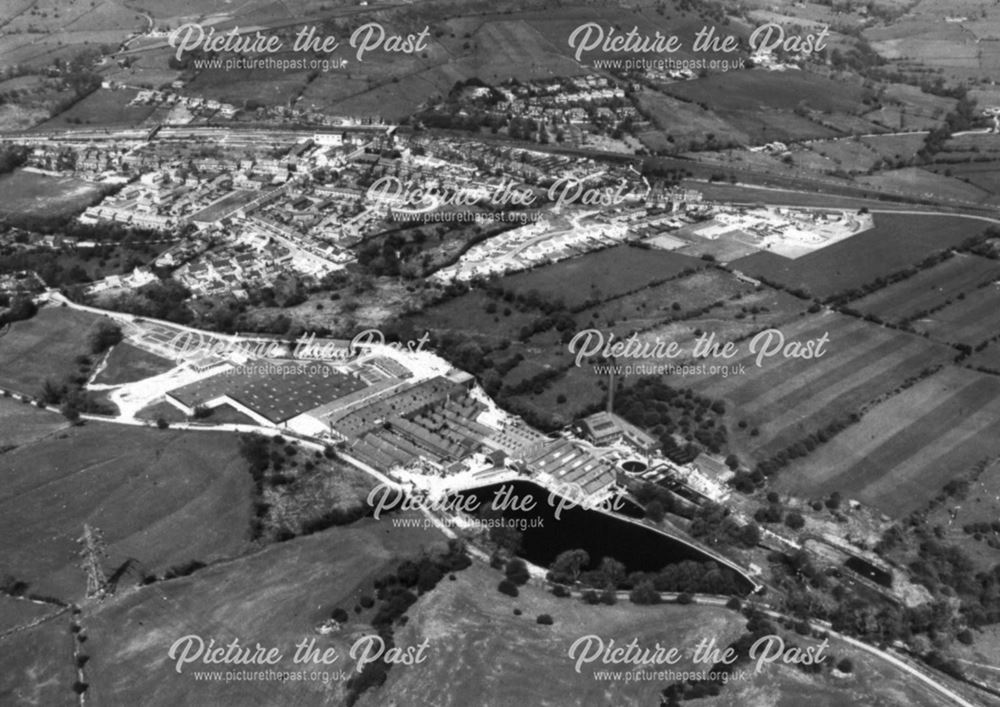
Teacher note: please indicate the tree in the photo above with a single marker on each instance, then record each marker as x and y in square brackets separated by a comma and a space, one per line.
[567, 566]
[517, 571]
[70, 412]
[104, 336]
[613, 570]
[794, 520]
[654, 511]
[644, 593]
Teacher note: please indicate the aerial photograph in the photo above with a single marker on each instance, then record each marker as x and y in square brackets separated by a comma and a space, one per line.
[454, 353]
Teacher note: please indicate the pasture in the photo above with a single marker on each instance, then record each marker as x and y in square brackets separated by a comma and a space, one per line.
[601, 275]
[473, 631]
[162, 497]
[275, 597]
[126, 364]
[578, 388]
[770, 91]
[33, 194]
[102, 107]
[21, 423]
[897, 241]
[786, 399]
[984, 175]
[848, 154]
[686, 122]
[903, 450]
[36, 666]
[44, 346]
[923, 184]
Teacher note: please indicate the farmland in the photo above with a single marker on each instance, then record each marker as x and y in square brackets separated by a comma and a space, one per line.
[22, 424]
[921, 183]
[930, 289]
[970, 320]
[897, 241]
[785, 399]
[38, 666]
[44, 346]
[987, 359]
[581, 387]
[275, 597]
[970, 505]
[126, 363]
[686, 122]
[762, 103]
[474, 632]
[104, 108]
[770, 91]
[599, 276]
[187, 497]
[32, 194]
[985, 175]
[904, 449]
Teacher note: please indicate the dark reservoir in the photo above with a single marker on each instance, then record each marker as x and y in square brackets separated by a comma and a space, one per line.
[601, 535]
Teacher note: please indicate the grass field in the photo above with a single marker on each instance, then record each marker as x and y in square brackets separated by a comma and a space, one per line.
[102, 107]
[44, 346]
[929, 289]
[970, 320]
[163, 409]
[37, 666]
[20, 611]
[921, 183]
[161, 497]
[895, 147]
[474, 632]
[22, 424]
[275, 597]
[905, 449]
[770, 91]
[33, 194]
[127, 364]
[656, 304]
[896, 242]
[579, 388]
[847, 154]
[762, 103]
[987, 359]
[787, 398]
[686, 122]
[598, 276]
[985, 175]
[981, 504]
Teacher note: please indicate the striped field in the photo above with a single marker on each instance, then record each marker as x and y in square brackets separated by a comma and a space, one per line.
[905, 449]
[788, 398]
